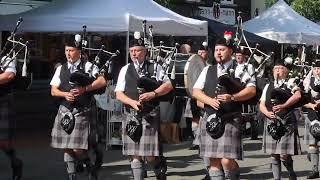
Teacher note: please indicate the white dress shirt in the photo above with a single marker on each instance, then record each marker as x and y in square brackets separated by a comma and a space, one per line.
[55, 81]
[221, 69]
[250, 72]
[121, 83]
[276, 85]
[11, 67]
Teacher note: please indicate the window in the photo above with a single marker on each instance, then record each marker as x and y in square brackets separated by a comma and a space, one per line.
[226, 2]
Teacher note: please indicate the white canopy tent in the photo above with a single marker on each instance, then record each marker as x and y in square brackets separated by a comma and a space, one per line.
[282, 24]
[105, 16]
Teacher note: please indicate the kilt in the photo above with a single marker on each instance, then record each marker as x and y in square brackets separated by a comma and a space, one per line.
[289, 144]
[149, 142]
[6, 122]
[308, 138]
[229, 145]
[78, 139]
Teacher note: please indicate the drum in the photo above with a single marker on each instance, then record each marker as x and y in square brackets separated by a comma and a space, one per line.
[187, 70]
[192, 71]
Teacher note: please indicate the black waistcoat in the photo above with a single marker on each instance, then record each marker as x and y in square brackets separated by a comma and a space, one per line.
[132, 77]
[312, 86]
[268, 102]
[210, 90]
[5, 88]
[82, 100]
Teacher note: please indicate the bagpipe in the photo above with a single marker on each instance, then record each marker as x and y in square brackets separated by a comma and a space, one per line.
[11, 51]
[217, 119]
[299, 70]
[230, 83]
[314, 114]
[279, 95]
[80, 78]
[159, 56]
[277, 128]
[258, 59]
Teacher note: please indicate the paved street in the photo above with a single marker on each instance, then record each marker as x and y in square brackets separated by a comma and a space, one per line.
[45, 163]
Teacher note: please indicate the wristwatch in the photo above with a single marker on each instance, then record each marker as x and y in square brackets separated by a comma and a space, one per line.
[155, 94]
[232, 98]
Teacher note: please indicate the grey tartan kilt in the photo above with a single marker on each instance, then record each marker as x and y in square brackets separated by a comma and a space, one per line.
[149, 142]
[228, 146]
[289, 144]
[78, 139]
[6, 122]
[308, 138]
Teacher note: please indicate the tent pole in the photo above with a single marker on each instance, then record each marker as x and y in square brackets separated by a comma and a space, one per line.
[0, 40]
[281, 51]
[127, 46]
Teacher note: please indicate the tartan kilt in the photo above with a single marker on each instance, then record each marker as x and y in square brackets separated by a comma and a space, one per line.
[289, 144]
[78, 139]
[6, 122]
[308, 138]
[149, 142]
[228, 146]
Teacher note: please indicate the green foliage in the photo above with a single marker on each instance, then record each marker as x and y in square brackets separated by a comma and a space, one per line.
[171, 4]
[308, 8]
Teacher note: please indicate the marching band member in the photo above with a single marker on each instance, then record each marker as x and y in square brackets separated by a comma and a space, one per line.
[204, 54]
[223, 150]
[74, 143]
[311, 83]
[6, 122]
[203, 51]
[240, 57]
[280, 141]
[141, 129]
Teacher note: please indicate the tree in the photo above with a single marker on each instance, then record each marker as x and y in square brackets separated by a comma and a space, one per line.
[271, 2]
[310, 9]
[171, 4]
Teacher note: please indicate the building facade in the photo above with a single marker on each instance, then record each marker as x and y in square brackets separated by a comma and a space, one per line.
[225, 11]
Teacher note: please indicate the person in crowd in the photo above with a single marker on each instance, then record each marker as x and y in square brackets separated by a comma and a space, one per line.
[311, 116]
[7, 76]
[75, 103]
[225, 149]
[249, 113]
[141, 126]
[185, 49]
[280, 138]
[204, 54]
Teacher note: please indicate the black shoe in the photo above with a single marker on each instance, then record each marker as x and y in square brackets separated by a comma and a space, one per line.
[195, 147]
[16, 166]
[313, 175]
[293, 176]
[79, 167]
[145, 173]
[207, 177]
[92, 172]
[93, 176]
[162, 176]
[72, 176]
[98, 163]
